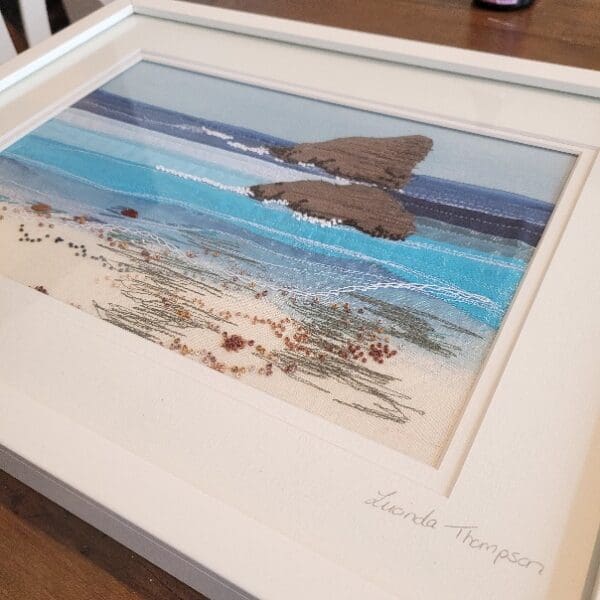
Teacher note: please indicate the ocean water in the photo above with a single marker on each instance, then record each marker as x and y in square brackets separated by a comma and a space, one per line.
[80, 166]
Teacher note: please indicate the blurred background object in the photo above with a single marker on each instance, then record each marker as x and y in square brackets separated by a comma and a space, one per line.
[28, 22]
[503, 4]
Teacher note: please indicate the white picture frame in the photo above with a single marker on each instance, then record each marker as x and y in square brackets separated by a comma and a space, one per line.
[246, 525]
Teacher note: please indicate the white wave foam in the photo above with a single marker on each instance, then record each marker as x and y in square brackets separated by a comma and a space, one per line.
[237, 189]
[260, 150]
[201, 129]
[316, 220]
[275, 202]
[217, 134]
[437, 290]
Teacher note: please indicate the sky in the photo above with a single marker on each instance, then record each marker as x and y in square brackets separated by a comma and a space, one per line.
[459, 156]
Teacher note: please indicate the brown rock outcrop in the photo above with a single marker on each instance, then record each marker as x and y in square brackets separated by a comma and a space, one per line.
[365, 208]
[386, 162]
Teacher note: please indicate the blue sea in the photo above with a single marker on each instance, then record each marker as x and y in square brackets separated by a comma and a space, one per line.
[189, 179]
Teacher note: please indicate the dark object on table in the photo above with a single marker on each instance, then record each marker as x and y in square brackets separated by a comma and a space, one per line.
[503, 4]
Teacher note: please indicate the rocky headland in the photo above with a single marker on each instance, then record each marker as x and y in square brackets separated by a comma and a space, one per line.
[375, 167]
[385, 162]
[368, 209]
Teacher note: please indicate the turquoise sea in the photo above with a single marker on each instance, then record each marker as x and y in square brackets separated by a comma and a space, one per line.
[176, 193]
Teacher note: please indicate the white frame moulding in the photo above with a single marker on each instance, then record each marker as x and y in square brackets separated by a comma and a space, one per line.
[217, 569]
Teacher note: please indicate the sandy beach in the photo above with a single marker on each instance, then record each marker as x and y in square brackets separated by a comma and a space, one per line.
[178, 302]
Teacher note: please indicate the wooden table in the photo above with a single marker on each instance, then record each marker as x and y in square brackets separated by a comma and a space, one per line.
[47, 553]
[560, 31]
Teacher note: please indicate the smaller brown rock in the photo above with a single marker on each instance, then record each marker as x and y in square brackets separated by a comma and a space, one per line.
[130, 212]
[41, 208]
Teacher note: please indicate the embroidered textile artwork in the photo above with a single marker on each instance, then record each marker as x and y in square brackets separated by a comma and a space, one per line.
[353, 264]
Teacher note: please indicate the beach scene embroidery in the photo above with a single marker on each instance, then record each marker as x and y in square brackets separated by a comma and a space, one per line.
[353, 264]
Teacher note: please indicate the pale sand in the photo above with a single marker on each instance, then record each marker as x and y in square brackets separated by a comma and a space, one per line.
[434, 384]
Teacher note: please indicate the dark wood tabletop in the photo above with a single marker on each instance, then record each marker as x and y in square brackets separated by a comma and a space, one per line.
[47, 553]
[560, 31]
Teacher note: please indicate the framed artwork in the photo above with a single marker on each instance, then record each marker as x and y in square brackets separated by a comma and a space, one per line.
[281, 279]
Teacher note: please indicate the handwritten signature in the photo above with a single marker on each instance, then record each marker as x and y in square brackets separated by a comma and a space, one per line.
[461, 534]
